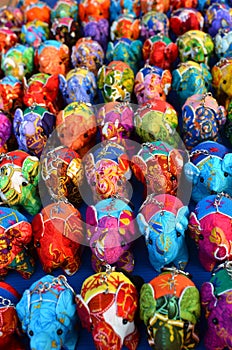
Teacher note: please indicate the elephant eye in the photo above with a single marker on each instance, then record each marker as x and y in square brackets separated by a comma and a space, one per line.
[24, 183]
[201, 237]
[226, 174]
[123, 244]
[224, 81]
[119, 182]
[94, 245]
[124, 321]
[186, 325]
[202, 179]
[45, 97]
[178, 234]
[31, 333]
[88, 92]
[173, 178]
[150, 241]
[215, 320]
[59, 331]
[37, 244]
[91, 327]
[85, 135]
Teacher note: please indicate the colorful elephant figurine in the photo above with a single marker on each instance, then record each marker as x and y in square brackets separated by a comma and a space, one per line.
[170, 308]
[202, 119]
[62, 172]
[190, 78]
[195, 45]
[125, 26]
[87, 53]
[118, 8]
[34, 33]
[18, 61]
[223, 43]
[116, 81]
[52, 57]
[66, 30]
[42, 89]
[64, 9]
[98, 31]
[108, 170]
[111, 229]
[79, 85]
[11, 94]
[107, 306]
[57, 235]
[184, 19]
[11, 17]
[19, 181]
[160, 51]
[215, 300]
[7, 39]
[37, 10]
[163, 219]
[158, 166]
[209, 170]
[15, 236]
[157, 120]
[159, 6]
[152, 83]
[10, 325]
[209, 225]
[154, 23]
[93, 10]
[217, 16]
[32, 127]
[48, 314]
[76, 127]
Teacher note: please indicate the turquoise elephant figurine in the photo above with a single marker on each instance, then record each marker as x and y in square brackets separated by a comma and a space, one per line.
[170, 308]
[216, 302]
[163, 219]
[209, 170]
[47, 311]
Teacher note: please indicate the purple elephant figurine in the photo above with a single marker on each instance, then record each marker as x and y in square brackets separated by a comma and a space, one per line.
[98, 31]
[110, 228]
[210, 227]
[163, 219]
[216, 300]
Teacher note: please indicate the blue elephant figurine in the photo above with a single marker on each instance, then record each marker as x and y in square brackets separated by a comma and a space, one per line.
[163, 219]
[48, 314]
[209, 170]
[79, 86]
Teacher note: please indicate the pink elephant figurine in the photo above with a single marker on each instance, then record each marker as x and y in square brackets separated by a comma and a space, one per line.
[58, 232]
[216, 300]
[111, 229]
[210, 227]
[107, 306]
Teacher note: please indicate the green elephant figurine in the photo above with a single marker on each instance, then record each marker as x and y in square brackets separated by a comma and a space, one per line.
[170, 308]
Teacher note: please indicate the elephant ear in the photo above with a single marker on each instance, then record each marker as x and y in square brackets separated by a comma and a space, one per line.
[208, 299]
[191, 172]
[21, 233]
[23, 309]
[127, 301]
[147, 303]
[194, 226]
[227, 163]
[66, 307]
[190, 306]
[83, 312]
[182, 219]
[143, 225]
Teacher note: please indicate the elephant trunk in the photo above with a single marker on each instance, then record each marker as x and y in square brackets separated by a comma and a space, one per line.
[105, 338]
[168, 338]
[42, 341]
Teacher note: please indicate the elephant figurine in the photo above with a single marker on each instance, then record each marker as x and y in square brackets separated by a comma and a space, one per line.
[209, 170]
[19, 181]
[48, 314]
[223, 43]
[107, 170]
[52, 57]
[190, 78]
[64, 9]
[37, 10]
[217, 16]
[87, 53]
[163, 219]
[159, 167]
[15, 236]
[159, 6]
[118, 8]
[107, 306]
[160, 51]
[154, 23]
[66, 30]
[215, 300]
[202, 119]
[170, 308]
[184, 19]
[98, 31]
[34, 33]
[10, 326]
[195, 45]
[62, 172]
[79, 85]
[58, 234]
[11, 17]
[116, 81]
[209, 226]
[32, 127]
[125, 26]
[152, 83]
[157, 120]
[18, 61]
[93, 10]
[110, 226]
[42, 89]
[7, 39]
[76, 127]
[11, 94]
